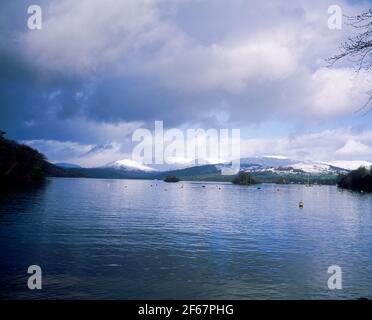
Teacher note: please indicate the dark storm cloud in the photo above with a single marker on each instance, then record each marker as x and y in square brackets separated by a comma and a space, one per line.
[109, 65]
[27, 97]
[99, 69]
[100, 147]
[37, 103]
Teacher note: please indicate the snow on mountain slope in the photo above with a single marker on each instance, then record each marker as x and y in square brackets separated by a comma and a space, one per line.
[265, 162]
[132, 165]
[350, 165]
[283, 164]
[252, 164]
[314, 167]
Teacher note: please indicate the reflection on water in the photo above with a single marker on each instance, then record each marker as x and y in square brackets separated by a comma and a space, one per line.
[106, 239]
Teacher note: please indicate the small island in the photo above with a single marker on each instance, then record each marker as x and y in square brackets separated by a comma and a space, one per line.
[281, 180]
[171, 179]
[244, 179]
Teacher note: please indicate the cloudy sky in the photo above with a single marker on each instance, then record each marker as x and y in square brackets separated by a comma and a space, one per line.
[99, 69]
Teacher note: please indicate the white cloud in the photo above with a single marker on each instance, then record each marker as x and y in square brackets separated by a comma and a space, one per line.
[84, 36]
[335, 146]
[329, 145]
[226, 66]
[337, 91]
[59, 150]
[76, 153]
[353, 148]
[87, 36]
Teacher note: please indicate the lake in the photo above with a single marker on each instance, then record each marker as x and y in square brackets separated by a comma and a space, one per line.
[132, 239]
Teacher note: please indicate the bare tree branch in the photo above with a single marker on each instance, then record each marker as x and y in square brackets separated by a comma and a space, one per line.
[358, 48]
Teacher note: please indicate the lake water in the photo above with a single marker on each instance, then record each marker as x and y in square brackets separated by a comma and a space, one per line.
[120, 239]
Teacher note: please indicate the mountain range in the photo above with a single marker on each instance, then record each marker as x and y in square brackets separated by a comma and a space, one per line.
[268, 169]
[20, 164]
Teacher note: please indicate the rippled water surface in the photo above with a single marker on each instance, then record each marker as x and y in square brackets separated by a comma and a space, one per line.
[117, 239]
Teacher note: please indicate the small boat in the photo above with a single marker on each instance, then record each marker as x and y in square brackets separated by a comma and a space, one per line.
[301, 205]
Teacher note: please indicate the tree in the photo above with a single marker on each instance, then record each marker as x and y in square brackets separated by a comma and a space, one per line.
[358, 48]
[2, 133]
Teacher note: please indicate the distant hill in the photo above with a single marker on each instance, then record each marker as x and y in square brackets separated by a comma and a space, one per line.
[108, 173]
[213, 173]
[21, 164]
[67, 165]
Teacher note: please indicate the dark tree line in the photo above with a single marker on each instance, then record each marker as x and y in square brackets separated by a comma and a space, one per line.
[20, 163]
[359, 180]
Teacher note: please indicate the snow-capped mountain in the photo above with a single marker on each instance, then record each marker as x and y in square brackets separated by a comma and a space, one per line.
[129, 165]
[315, 167]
